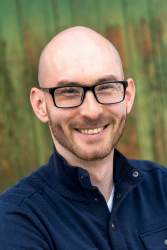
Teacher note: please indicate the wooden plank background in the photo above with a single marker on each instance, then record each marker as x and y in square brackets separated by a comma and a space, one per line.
[138, 29]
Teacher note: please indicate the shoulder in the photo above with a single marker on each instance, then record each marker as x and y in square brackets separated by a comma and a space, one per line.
[155, 175]
[148, 166]
[20, 211]
[24, 189]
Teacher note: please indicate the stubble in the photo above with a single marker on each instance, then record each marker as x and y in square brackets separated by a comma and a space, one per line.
[66, 141]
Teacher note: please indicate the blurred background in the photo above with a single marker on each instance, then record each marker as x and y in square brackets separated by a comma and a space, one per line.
[137, 28]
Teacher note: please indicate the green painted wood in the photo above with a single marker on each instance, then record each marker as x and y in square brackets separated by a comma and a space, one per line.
[84, 13]
[32, 44]
[136, 16]
[157, 28]
[138, 29]
[65, 13]
[9, 104]
[25, 152]
[144, 38]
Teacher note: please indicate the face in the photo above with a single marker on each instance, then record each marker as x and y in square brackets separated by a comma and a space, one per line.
[88, 132]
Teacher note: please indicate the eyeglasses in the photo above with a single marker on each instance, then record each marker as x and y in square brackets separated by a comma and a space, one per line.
[73, 95]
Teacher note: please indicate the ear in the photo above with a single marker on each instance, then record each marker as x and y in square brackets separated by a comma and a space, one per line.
[37, 99]
[130, 94]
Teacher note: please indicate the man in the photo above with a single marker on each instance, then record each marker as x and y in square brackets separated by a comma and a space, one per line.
[88, 196]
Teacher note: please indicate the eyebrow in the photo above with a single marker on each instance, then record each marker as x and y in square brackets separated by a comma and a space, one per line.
[66, 83]
[100, 80]
[107, 79]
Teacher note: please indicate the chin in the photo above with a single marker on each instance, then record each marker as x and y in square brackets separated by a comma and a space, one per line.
[92, 156]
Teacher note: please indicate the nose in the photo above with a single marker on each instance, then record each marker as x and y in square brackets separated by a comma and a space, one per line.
[90, 107]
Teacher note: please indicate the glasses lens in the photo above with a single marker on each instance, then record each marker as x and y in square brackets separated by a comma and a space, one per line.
[110, 92]
[68, 96]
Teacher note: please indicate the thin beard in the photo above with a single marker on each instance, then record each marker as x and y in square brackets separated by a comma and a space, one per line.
[88, 122]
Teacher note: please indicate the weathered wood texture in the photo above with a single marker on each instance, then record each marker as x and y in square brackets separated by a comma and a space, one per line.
[138, 29]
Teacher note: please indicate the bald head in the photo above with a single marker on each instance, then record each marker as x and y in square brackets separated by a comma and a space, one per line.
[80, 56]
[76, 48]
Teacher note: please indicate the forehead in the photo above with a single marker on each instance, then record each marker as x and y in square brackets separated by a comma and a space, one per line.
[84, 64]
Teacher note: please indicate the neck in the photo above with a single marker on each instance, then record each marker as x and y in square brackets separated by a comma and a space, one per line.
[100, 171]
[102, 177]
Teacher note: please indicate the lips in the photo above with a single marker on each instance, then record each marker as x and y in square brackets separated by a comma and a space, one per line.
[91, 131]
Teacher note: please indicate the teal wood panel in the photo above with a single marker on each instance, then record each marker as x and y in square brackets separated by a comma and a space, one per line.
[142, 35]
[65, 13]
[136, 19]
[159, 51]
[23, 150]
[84, 13]
[11, 140]
[34, 41]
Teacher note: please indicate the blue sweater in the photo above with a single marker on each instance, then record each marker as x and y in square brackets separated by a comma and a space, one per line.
[56, 207]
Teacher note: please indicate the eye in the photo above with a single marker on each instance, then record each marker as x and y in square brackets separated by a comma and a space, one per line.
[108, 86]
[68, 91]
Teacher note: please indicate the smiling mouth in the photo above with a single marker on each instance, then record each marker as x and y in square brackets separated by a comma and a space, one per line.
[91, 131]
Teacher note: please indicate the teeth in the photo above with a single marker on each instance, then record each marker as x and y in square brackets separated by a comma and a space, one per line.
[100, 129]
[91, 131]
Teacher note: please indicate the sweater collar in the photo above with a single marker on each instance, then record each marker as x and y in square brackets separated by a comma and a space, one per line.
[72, 181]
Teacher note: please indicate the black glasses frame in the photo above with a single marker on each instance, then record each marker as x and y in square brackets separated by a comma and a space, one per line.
[85, 88]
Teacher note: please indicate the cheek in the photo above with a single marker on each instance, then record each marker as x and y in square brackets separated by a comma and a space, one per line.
[118, 110]
[62, 116]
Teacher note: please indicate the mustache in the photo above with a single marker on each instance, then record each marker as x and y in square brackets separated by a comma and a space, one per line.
[88, 123]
